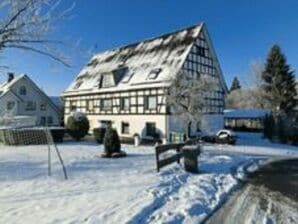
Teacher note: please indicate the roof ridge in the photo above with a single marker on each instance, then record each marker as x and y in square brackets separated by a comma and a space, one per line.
[176, 31]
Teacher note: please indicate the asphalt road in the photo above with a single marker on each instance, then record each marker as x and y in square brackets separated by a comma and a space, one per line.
[270, 196]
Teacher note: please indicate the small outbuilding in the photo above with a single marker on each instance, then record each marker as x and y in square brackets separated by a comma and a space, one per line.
[245, 119]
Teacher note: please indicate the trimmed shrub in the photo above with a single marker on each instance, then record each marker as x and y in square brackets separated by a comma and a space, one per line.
[77, 126]
[111, 142]
[99, 134]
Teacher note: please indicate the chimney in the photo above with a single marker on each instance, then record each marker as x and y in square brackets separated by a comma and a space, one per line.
[10, 76]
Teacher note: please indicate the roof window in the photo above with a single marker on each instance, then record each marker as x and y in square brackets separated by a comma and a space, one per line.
[154, 73]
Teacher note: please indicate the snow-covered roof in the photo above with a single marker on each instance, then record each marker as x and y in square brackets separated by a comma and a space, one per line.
[6, 86]
[131, 65]
[245, 113]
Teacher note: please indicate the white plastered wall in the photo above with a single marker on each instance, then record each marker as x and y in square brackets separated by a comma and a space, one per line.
[137, 123]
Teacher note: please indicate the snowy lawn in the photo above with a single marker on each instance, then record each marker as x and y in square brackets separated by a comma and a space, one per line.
[254, 144]
[126, 190]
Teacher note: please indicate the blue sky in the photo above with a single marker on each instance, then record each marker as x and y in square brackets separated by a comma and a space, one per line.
[241, 31]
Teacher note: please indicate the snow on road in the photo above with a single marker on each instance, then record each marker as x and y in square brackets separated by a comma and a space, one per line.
[257, 204]
[126, 190]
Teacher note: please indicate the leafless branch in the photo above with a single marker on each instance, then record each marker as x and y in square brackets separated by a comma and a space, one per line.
[27, 25]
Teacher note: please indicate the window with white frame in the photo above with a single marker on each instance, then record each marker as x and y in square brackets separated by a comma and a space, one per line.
[10, 105]
[124, 103]
[150, 102]
[42, 106]
[73, 106]
[31, 106]
[23, 90]
[50, 120]
[125, 128]
[90, 105]
[105, 104]
[43, 121]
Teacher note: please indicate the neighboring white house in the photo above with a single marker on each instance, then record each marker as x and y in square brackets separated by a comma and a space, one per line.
[125, 86]
[20, 96]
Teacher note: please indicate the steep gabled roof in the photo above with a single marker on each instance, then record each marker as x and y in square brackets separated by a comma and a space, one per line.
[165, 53]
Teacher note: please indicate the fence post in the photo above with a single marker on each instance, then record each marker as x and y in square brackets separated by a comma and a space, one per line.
[190, 154]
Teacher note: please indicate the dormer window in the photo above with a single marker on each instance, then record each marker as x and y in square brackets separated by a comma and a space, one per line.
[78, 84]
[93, 62]
[154, 73]
[120, 73]
[23, 90]
[107, 80]
[127, 77]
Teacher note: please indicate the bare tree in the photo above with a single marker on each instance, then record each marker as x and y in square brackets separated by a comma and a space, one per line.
[187, 97]
[253, 95]
[28, 25]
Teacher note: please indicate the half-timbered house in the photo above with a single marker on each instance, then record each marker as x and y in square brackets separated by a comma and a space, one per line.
[125, 86]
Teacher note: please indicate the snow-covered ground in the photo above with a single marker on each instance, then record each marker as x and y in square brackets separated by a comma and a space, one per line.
[126, 190]
[254, 144]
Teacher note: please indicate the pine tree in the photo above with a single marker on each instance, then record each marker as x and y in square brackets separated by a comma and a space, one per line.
[235, 84]
[279, 82]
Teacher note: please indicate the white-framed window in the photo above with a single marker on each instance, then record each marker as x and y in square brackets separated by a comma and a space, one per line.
[43, 121]
[50, 120]
[73, 106]
[31, 106]
[124, 103]
[10, 105]
[125, 128]
[150, 102]
[23, 90]
[105, 104]
[90, 105]
[42, 106]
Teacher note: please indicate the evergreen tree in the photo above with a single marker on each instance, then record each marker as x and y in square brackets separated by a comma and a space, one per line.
[235, 84]
[279, 82]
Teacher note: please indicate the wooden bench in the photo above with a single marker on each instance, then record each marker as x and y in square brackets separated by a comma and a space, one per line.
[160, 149]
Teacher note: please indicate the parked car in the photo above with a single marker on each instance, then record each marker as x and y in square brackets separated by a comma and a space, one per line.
[222, 136]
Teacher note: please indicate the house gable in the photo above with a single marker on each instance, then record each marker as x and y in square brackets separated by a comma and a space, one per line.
[32, 91]
[202, 60]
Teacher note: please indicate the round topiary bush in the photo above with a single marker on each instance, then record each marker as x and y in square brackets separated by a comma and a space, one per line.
[77, 126]
[99, 134]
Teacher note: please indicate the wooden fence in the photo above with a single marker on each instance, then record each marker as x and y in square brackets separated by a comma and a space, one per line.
[160, 149]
